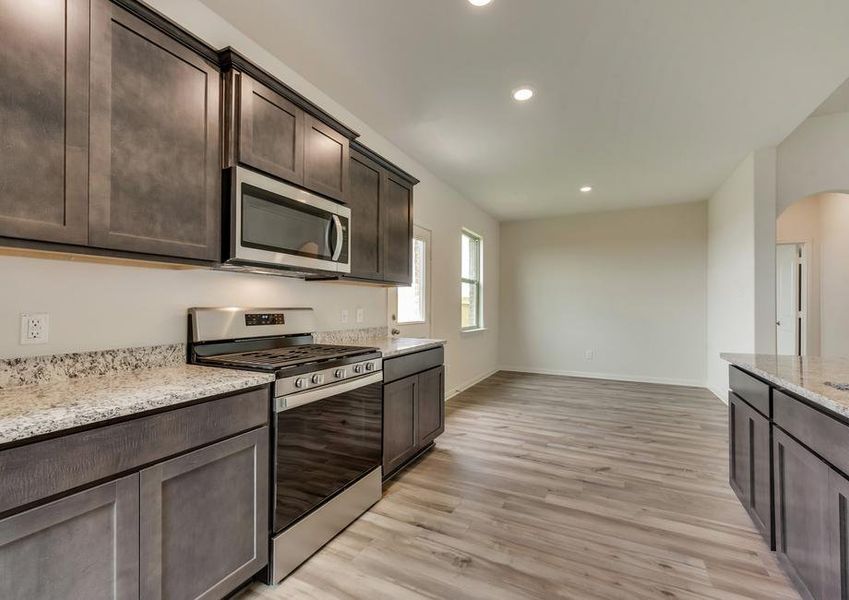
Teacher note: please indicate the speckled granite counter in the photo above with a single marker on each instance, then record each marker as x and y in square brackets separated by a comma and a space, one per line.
[811, 378]
[398, 346]
[35, 410]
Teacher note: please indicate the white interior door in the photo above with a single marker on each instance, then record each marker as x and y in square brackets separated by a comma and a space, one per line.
[788, 297]
[412, 317]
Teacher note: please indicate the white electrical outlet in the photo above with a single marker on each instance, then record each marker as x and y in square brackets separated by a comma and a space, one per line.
[589, 354]
[34, 328]
[344, 315]
[361, 315]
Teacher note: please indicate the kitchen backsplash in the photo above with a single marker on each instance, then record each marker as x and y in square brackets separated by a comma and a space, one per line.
[351, 336]
[44, 369]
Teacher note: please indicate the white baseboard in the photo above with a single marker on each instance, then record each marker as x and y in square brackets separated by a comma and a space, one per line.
[609, 376]
[467, 385]
[722, 395]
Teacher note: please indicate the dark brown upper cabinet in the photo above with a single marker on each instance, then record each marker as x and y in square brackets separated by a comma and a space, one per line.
[397, 231]
[270, 130]
[326, 155]
[381, 202]
[155, 169]
[44, 120]
[364, 201]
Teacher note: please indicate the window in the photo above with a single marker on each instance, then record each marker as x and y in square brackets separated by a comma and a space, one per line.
[470, 282]
[412, 300]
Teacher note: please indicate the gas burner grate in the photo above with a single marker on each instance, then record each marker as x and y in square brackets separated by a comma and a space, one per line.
[283, 357]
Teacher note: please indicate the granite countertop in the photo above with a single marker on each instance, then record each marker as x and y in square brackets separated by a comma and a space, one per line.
[810, 377]
[34, 410]
[398, 346]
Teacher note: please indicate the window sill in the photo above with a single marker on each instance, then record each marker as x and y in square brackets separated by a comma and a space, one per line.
[473, 330]
[404, 323]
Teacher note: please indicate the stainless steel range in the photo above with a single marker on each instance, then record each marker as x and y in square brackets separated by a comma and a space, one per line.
[326, 425]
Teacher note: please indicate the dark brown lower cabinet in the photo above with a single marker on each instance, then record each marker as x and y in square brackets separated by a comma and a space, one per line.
[750, 463]
[413, 416]
[204, 520]
[399, 422]
[430, 408]
[804, 522]
[838, 525]
[80, 547]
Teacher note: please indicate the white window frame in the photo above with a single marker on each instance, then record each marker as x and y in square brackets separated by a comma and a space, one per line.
[478, 283]
[425, 239]
[421, 329]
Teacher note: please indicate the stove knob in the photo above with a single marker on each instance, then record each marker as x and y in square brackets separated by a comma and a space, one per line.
[300, 382]
[339, 374]
[358, 368]
[318, 379]
[370, 366]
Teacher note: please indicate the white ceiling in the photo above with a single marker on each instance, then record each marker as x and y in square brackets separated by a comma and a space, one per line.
[648, 101]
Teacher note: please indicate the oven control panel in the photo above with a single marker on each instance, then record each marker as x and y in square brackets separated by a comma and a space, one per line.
[254, 319]
[314, 379]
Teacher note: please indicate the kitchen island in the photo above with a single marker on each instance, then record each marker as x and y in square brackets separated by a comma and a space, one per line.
[789, 462]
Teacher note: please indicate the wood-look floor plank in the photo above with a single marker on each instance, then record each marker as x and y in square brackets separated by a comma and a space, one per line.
[556, 487]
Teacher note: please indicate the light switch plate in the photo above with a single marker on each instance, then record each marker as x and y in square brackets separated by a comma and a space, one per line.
[361, 315]
[344, 315]
[35, 328]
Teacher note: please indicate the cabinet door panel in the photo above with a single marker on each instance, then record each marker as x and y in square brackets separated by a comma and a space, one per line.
[364, 201]
[399, 422]
[738, 441]
[397, 232]
[155, 171]
[326, 160]
[838, 526]
[204, 519]
[81, 547]
[44, 120]
[271, 132]
[801, 509]
[430, 421]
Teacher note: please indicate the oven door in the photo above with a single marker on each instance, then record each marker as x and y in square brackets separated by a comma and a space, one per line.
[276, 224]
[327, 439]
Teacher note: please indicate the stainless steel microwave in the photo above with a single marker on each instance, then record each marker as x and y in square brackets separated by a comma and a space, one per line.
[276, 225]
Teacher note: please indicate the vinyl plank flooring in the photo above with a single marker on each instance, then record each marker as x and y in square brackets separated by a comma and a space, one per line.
[556, 487]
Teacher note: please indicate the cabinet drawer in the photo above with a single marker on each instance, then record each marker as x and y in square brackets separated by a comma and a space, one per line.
[410, 364]
[42, 469]
[823, 434]
[754, 391]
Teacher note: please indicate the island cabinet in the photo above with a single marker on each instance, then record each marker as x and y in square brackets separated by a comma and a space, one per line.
[809, 466]
[183, 512]
[268, 128]
[413, 406]
[381, 202]
[750, 468]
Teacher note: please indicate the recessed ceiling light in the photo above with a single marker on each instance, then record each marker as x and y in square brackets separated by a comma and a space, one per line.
[479, 2]
[523, 94]
[587, 188]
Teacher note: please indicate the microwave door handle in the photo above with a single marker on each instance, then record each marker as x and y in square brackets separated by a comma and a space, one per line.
[337, 247]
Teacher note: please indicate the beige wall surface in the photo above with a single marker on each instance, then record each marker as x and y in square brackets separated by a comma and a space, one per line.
[628, 286]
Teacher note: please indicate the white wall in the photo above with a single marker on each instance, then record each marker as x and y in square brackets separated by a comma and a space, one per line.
[813, 159]
[730, 273]
[88, 302]
[627, 285]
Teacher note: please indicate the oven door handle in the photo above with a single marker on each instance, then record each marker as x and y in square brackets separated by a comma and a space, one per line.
[285, 403]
